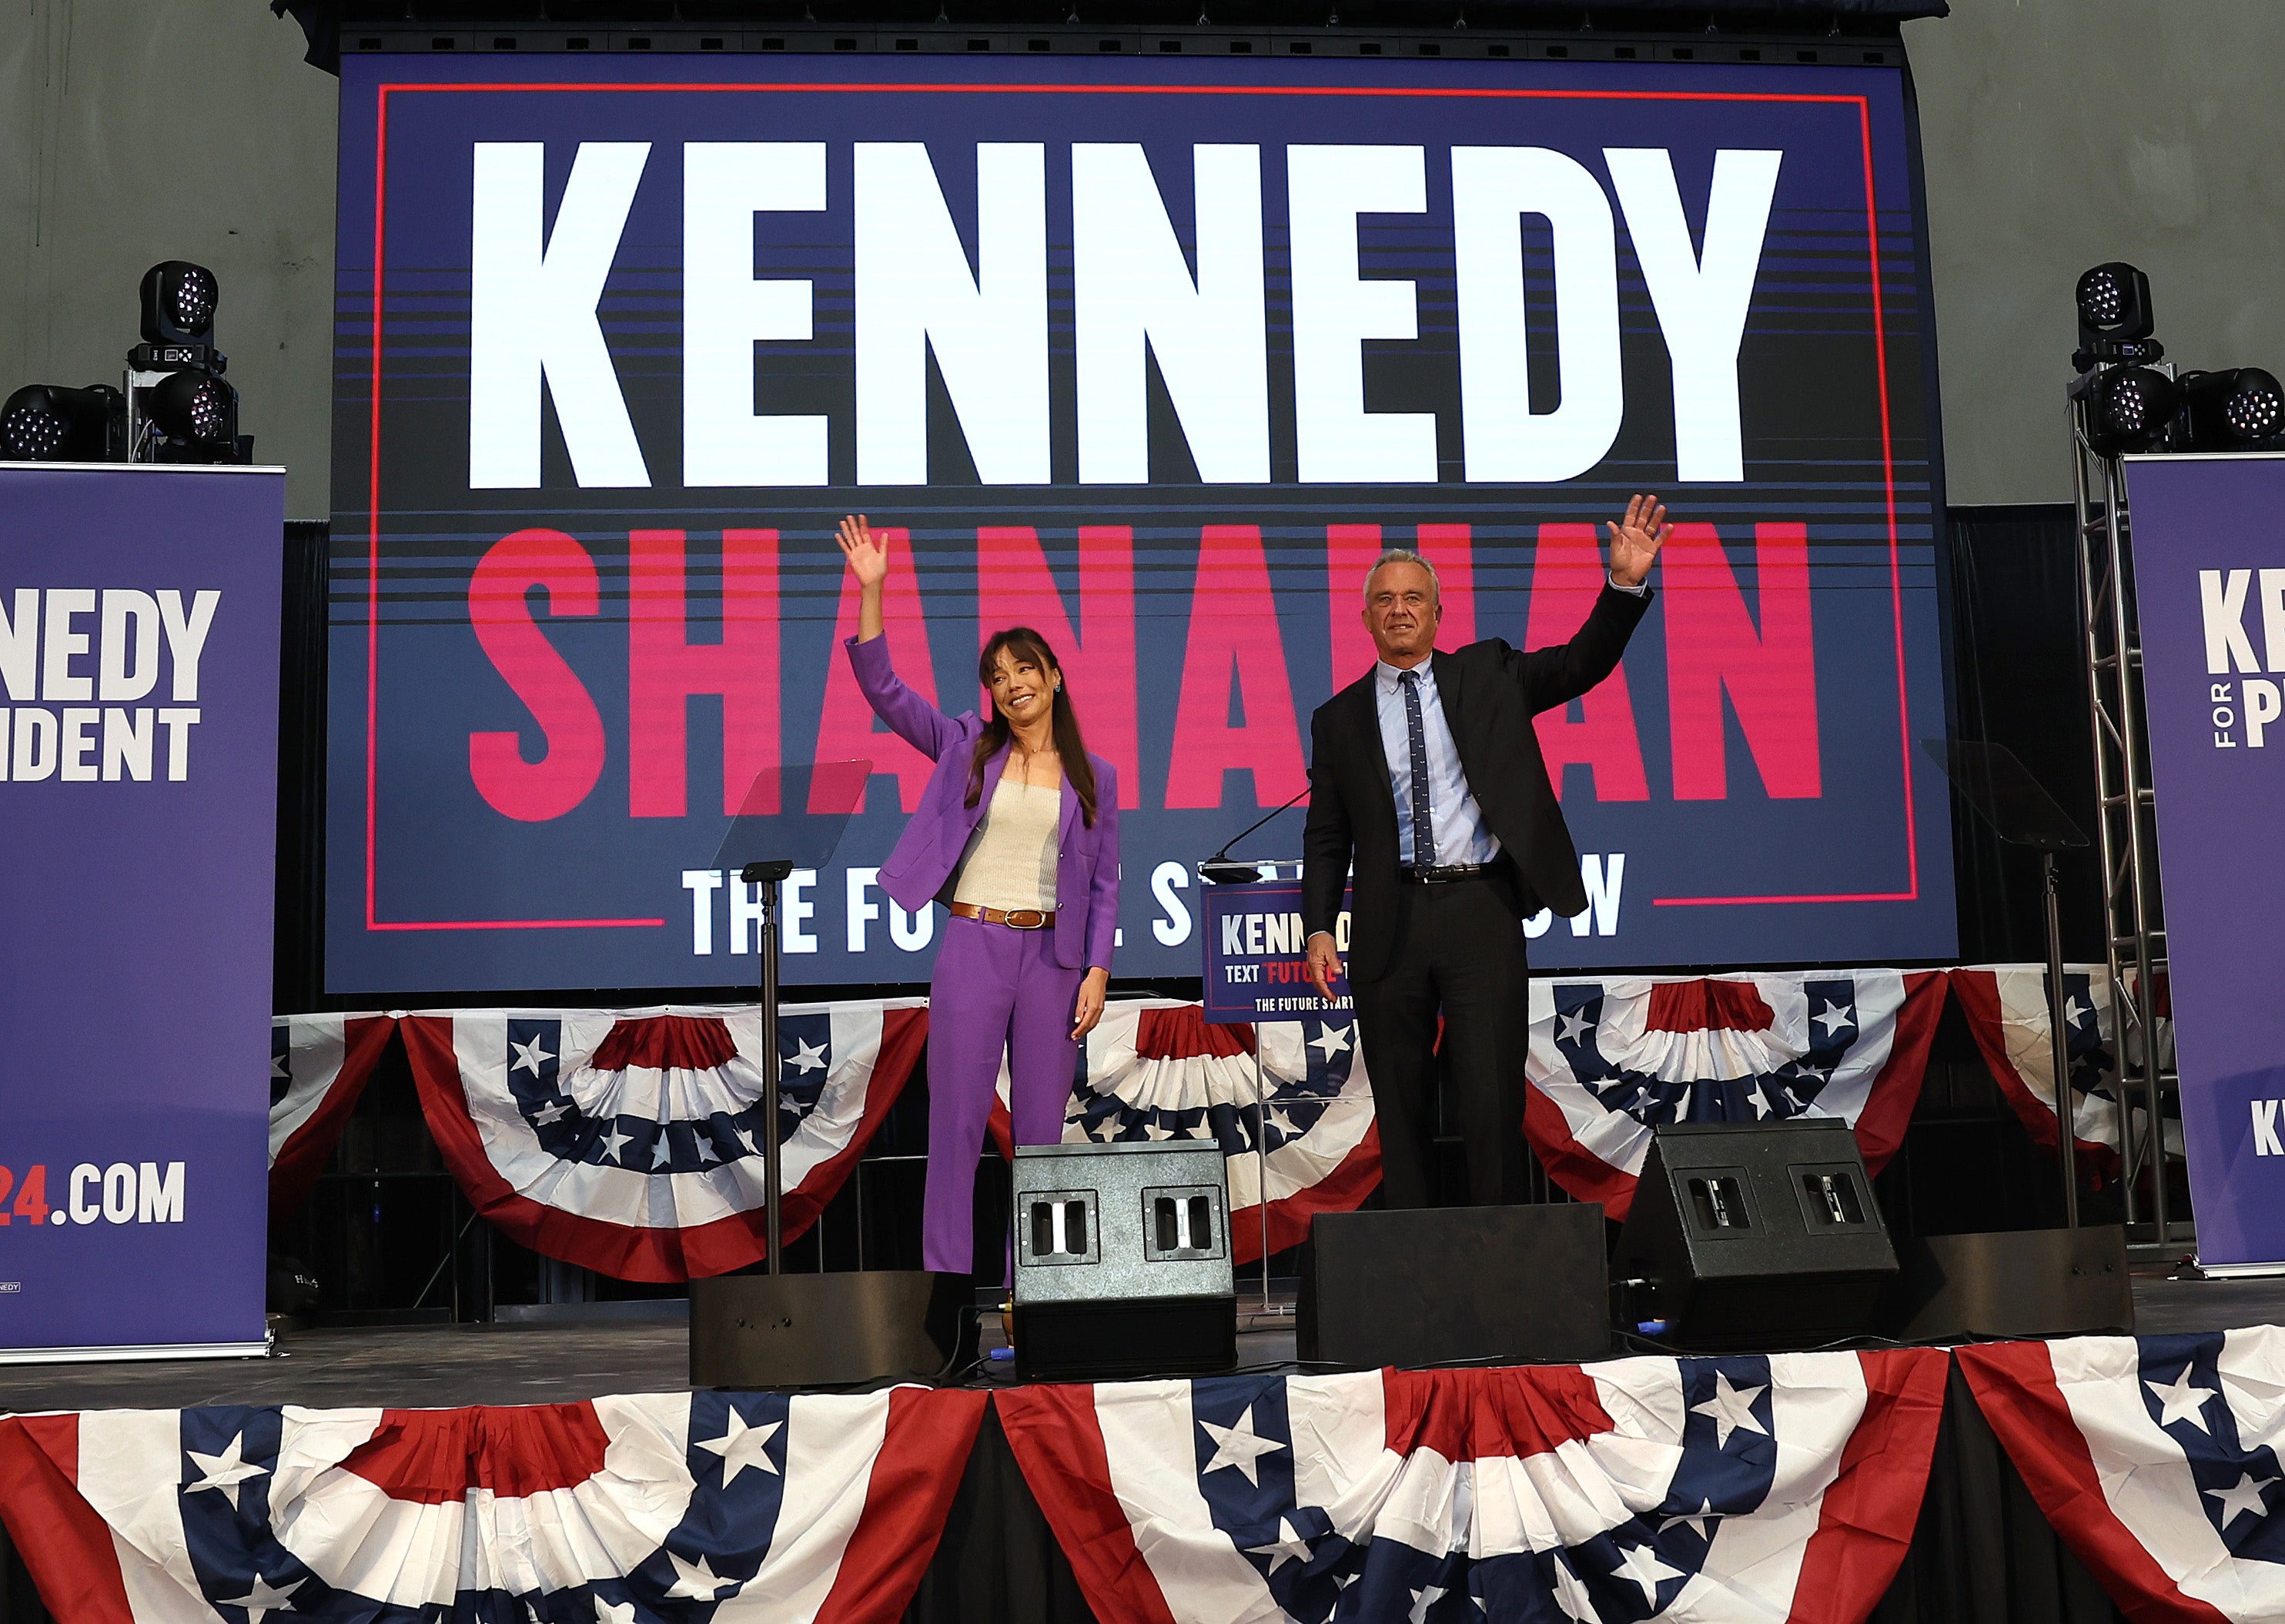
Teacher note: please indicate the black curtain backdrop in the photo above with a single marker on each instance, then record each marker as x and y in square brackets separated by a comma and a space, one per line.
[2018, 679]
[1981, 1553]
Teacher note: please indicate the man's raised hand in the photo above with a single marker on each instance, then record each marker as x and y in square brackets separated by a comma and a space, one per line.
[1636, 539]
[869, 560]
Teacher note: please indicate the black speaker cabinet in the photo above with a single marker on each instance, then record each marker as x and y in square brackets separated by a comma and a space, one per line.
[814, 1330]
[1754, 1237]
[2017, 1283]
[1122, 1261]
[1446, 1283]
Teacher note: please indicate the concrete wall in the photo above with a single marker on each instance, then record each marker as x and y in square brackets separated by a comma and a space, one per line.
[137, 130]
[2058, 134]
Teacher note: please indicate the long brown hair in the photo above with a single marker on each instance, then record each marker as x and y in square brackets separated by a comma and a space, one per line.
[1029, 647]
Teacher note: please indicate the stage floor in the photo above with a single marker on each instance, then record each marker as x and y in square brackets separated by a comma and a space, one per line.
[444, 1366]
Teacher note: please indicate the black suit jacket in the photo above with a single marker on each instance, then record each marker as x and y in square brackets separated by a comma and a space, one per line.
[1490, 692]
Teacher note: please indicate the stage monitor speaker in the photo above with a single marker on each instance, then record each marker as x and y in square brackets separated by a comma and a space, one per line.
[1122, 1261]
[1441, 1284]
[762, 1331]
[1754, 1237]
[2015, 1283]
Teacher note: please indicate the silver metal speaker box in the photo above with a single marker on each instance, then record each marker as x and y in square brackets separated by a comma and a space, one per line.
[1123, 1260]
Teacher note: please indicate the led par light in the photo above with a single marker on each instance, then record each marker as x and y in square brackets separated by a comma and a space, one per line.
[2115, 317]
[194, 406]
[45, 422]
[2240, 409]
[2128, 409]
[178, 303]
[180, 410]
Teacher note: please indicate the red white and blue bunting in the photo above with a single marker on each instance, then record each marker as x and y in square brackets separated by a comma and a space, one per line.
[628, 1142]
[1155, 1070]
[1746, 1487]
[318, 1066]
[1774, 1487]
[623, 1140]
[2006, 1010]
[747, 1505]
[2156, 1459]
[1611, 1057]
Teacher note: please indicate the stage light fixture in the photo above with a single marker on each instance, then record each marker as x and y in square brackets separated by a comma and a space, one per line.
[178, 303]
[2115, 317]
[2239, 408]
[2128, 409]
[180, 410]
[189, 405]
[45, 422]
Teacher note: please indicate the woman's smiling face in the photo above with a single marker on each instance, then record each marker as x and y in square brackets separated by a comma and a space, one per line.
[1022, 686]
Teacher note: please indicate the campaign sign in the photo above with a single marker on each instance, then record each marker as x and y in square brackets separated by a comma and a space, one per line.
[2210, 590]
[1155, 357]
[1256, 954]
[138, 759]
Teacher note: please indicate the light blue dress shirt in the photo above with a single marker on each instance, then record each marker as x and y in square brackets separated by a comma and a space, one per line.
[1454, 820]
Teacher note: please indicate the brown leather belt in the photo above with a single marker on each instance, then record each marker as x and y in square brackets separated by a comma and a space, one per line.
[1015, 918]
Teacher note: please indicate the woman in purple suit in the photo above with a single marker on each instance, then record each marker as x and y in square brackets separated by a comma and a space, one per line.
[1018, 836]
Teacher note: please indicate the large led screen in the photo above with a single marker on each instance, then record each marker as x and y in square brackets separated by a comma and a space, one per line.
[1154, 357]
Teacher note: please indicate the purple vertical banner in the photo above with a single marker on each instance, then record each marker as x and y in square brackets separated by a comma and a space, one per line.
[1257, 957]
[138, 751]
[2210, 585]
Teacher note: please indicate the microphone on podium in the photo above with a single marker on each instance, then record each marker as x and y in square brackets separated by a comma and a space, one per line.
[1221, 869]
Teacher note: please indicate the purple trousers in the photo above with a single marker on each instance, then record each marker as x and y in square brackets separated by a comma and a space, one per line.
[996, 991]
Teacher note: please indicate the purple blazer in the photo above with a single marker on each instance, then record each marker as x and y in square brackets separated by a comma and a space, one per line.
[1087, 858]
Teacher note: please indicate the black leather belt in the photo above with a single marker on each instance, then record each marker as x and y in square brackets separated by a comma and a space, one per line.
[1443, 873]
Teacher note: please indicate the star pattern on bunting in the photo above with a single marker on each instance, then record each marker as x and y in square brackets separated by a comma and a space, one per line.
[1731, 1410]
[2242, 1496]
[1695, 1521]
[697, 1581]
[1289, 1546]
[224, 1473]
[2182, 1400]
[1239, 1446]
[529, 1057]
[264, 1597]
[1836, 1016]
[1640, 1564]
[1331, 1041]
[743, 1447]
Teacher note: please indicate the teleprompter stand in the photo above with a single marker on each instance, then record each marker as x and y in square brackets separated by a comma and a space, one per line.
[776, 1330]
[2027, 1282]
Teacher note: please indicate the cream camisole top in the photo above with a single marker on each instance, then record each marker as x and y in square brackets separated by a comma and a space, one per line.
[1011, 861]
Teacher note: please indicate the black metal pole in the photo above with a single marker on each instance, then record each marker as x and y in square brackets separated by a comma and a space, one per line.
[774, 1217]
[2059, 1049]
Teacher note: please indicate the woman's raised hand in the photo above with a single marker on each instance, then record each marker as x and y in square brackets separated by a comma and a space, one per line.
[869, 560]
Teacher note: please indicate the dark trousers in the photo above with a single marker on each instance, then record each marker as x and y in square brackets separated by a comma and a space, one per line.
[1458, 951]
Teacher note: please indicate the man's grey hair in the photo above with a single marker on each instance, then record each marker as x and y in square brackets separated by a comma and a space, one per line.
[1404, 555]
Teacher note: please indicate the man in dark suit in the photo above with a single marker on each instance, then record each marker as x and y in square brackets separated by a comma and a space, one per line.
[1426, 773]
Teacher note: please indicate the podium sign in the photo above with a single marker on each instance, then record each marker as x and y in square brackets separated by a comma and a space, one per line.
[138, 752]
[1256, 957]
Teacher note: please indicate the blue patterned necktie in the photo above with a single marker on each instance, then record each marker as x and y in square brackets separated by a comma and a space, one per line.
[1424, 827]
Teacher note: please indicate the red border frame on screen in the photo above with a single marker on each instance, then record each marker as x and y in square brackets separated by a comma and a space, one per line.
[372, 558]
